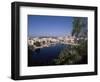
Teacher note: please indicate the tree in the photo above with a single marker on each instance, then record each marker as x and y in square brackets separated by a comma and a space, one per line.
[75, 54]
[43, 42]
[37, 43]
[79, 27]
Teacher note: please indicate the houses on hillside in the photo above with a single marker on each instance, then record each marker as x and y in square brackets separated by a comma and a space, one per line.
[38, 42]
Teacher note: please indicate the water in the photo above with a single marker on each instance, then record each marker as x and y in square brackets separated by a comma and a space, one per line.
[44, 56]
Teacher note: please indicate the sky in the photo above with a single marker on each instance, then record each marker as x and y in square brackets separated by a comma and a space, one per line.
[39, 25]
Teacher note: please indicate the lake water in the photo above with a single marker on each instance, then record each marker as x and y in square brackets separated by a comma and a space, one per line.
[44, 56]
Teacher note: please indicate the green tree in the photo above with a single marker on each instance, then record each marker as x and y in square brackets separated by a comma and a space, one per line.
[72, 54]
[79, 27]
[37, 43]
[75, 53]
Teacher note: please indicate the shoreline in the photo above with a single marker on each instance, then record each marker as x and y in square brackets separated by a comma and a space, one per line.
[46, 46]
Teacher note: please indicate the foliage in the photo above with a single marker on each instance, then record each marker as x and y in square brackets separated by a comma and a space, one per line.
[79, 27]
[43, 42]
[37, 43]
[72, 54]
[31, 48]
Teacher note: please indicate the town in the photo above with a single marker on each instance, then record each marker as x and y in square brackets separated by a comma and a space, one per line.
[41, 42]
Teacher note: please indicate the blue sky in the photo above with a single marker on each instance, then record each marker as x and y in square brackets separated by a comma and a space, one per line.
[39, 25]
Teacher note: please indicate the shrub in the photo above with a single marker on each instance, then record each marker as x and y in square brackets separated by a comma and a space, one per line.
[37, 44]
[72, 54]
